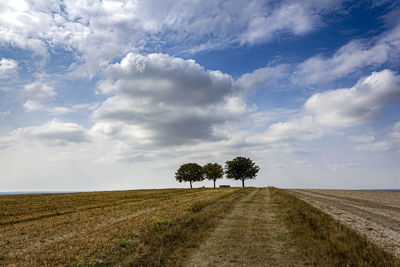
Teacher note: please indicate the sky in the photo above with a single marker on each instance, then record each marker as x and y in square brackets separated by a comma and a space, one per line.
[112, 95]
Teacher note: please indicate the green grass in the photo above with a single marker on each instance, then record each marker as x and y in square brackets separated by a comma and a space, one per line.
[323, 240]
[169, 242]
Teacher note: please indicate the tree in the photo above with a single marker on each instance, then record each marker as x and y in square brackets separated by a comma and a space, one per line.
[213, 171]
[189, 172]
[241, 169]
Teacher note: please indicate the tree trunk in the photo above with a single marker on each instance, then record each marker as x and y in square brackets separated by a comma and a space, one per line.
[190, 184]
[214, 183]
[242, 182]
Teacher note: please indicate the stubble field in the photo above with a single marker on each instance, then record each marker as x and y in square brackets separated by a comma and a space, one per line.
[90, 228]
[198, 227]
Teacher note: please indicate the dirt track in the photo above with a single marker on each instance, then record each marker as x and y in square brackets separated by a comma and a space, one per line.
[375, 214]
[252, 235]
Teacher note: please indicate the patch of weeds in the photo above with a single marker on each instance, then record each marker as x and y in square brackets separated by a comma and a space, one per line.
[162, 224]
[127, 240]
[124, 243]
[196, 206]
[3, 254]
[81, 262]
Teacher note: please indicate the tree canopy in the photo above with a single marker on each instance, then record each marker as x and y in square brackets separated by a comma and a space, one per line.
[213, 171]
[189, 172]
[241, 168]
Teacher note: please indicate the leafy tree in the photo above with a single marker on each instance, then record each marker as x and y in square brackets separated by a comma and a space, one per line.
[189, 172]
[241, 169]
[213, 171]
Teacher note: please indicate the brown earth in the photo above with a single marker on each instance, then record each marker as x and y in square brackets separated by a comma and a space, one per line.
[374, 214]
[251, 235]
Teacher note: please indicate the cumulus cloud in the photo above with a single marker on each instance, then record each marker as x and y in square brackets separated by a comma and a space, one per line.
[7, 67]
[38, 95]
[261, 77]
[168, 99]
[325, 111]
[354, 56]
[52, 133]
[294, 17]
[356, 105]
[98, 31]
[289, 132]
[33, 105]
[39, 91]
[381, 141]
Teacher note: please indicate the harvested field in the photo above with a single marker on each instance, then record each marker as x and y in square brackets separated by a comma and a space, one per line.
[91, 228]
[374, 214]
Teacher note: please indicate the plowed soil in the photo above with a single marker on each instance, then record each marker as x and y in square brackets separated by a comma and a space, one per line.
[374, 214]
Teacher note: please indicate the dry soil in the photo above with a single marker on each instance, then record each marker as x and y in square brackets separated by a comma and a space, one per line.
[374, 214]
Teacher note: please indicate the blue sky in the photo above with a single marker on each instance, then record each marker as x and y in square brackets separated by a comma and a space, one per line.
[101, 95]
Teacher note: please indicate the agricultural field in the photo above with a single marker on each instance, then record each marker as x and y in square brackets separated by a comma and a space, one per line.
[92, 228]
[178, 227]
[375, 214]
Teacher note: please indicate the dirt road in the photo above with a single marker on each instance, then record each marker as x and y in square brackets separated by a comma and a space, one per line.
[252, 235]
[375, 214]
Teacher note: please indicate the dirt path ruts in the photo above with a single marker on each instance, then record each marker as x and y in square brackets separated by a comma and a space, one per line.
[378, 221]
[252, 235]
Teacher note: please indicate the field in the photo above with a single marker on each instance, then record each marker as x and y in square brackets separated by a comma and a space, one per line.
[59, 229]
[178, 227]
[375, 214]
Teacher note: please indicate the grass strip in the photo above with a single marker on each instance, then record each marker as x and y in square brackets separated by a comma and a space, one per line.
[168, 242]
[323, 240]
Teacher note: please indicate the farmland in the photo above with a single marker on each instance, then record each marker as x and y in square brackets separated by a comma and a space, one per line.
[178, 227]
[59, 229]
[375, 214]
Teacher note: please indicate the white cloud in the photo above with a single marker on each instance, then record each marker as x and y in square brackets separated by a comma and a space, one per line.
[34, 105]
[354, 56]
[96, 32]
[7, 67]
[356, 105]
[395, 132]
[261, 77]
[375, 146]
[362, 138]
[38, 95]
[338, 166]
[323, 112]
[171, 100]
[303, 163]
[52, 133]
[4, 114]
[293, 17]
[292, 131]
[39, 91]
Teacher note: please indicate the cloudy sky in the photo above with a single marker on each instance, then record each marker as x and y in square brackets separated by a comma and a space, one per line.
[103, 95]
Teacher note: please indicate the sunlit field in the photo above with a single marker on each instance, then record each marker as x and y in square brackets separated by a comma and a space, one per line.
[91, 228]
